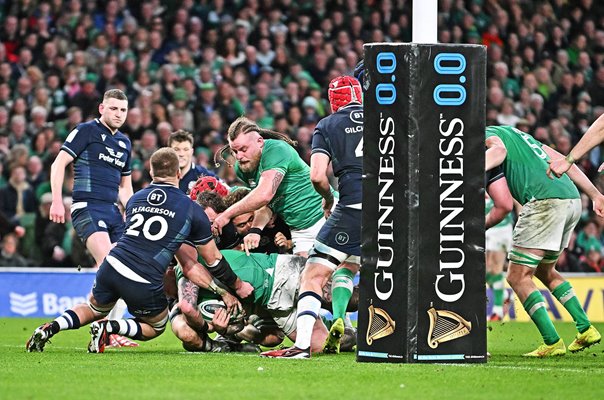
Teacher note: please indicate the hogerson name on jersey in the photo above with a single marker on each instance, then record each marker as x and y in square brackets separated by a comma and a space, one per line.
[159, 219]
[101, 159]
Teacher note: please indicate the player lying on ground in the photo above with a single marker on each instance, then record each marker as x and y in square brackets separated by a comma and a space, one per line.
[160, 218]
[274, 291]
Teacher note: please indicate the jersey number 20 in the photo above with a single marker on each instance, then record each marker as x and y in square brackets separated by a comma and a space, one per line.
[138, 219]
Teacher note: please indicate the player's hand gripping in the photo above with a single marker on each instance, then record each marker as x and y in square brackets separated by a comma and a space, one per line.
[281, 241]
[220, 221]
[243, 289]
[558, 167]
[233, 306]
[220, 321]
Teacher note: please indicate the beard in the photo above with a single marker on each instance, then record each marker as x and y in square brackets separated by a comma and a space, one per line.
[252, 164]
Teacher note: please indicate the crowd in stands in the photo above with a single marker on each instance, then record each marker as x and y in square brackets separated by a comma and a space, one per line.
[199, 64]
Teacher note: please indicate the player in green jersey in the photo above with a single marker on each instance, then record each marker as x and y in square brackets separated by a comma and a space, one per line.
[550, 211]
[268, 164]
[276, 280]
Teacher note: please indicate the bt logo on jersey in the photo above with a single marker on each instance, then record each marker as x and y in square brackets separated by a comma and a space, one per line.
[157, 197]
[356, 117]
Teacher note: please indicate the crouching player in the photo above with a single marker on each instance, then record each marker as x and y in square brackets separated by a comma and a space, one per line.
[159, 219]
[275, 279]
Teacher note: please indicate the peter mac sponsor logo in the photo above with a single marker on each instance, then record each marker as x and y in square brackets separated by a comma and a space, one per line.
[114, 157]
[23, 304]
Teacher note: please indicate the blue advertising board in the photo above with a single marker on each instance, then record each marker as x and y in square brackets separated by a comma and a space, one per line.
[42, 292]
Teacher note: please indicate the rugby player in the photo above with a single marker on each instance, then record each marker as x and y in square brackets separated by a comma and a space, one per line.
[159, 219]
[337, 139]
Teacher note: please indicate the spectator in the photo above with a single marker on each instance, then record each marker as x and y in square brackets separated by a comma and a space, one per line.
[9, 257]
[17, 197]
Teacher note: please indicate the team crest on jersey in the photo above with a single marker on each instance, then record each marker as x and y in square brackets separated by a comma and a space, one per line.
[251, 183]
[113, 153]
[121, 144]
[103, 136]
[191, 184]
[102, 224]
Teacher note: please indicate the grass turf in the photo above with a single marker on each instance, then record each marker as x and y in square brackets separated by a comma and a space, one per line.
[160, 369]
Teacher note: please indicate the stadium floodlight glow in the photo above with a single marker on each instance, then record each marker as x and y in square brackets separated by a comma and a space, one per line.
[425, 21]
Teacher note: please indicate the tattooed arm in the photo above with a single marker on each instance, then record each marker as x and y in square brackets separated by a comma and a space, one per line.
[257, 198]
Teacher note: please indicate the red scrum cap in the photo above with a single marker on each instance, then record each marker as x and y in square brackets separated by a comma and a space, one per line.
[344, 90]
[207, 183]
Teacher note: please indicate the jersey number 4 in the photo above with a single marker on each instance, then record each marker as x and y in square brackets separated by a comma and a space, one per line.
[358, 152]
[138, 220]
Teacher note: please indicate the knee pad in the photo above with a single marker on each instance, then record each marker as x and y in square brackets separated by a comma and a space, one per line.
[324, 255]
[523, 257]
[99, 311]
[158, 326]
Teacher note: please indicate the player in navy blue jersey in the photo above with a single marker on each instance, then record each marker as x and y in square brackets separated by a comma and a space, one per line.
[182, 143]
[159, 219]
[101, 156]
[338, 139]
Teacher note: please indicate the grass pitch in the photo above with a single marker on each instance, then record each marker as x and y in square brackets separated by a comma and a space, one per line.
[160, 369]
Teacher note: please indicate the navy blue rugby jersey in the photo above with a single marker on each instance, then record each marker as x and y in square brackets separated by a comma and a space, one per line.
[188, 181]
[340, 136]
[159, 219]
[101, 159]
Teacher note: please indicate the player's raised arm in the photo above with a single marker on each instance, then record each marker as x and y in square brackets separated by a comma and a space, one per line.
[592, 137]
[57, 176]
[257, 198]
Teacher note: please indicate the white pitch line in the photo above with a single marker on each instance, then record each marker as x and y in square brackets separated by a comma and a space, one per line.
[53, 346]
[527, 368]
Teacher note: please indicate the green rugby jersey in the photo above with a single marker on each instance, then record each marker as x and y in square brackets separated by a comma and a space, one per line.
[296, 200]
[525, 165]
[257, 269]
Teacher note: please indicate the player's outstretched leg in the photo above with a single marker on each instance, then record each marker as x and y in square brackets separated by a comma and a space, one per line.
[68, 320]
[39, 338]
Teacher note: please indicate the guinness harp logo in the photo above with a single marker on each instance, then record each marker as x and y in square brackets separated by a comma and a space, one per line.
[380, 324]
[445, 326]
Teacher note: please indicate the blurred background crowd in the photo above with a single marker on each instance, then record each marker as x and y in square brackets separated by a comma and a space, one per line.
[199, 64]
